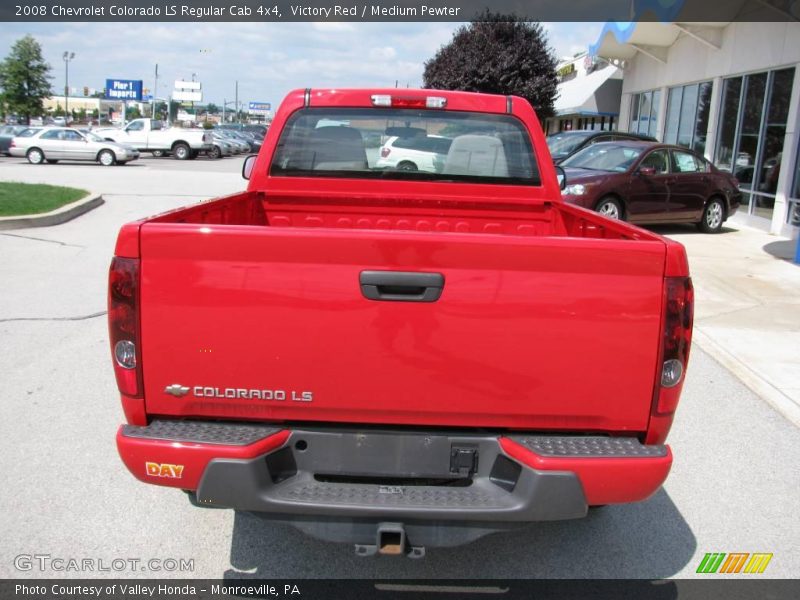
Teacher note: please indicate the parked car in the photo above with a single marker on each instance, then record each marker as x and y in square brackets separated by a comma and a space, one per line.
[239, 146]
[51, 144]
[220, 146]
[7, 133]
[566, 143]
[401, 359]
[254, 141]
[414, 152]
[643, 182]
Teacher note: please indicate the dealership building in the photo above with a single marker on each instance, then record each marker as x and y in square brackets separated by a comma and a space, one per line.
[589, 91]
[730, 91]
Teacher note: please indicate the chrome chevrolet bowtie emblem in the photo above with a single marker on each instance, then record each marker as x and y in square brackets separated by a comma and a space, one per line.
[177, 390]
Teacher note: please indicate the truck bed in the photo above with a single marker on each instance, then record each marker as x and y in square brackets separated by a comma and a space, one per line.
[540, 219]
[549, 316]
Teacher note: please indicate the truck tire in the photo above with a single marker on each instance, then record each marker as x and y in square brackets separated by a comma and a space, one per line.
[35, 156]
[181, 151]
[158, 153]
[609, 207]
[713, 216]
[106, 158]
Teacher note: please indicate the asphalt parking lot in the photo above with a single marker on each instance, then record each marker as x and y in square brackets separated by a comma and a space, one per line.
[734, 486]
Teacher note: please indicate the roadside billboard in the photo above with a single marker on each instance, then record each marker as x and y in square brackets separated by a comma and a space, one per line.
[260, 107]
[124, 89]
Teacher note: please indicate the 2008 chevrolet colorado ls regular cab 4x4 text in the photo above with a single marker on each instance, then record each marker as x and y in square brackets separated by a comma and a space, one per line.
[399, 357]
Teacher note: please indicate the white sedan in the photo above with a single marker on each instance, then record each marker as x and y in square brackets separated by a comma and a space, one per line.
[52, 144]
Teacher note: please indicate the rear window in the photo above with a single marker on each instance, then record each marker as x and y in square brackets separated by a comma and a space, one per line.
[464, 146]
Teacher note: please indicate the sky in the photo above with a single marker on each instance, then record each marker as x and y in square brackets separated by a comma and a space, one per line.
[267, 59]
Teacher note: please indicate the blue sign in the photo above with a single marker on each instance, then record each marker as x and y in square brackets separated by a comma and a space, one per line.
[147, 98]
[124, 89]
[260, 107]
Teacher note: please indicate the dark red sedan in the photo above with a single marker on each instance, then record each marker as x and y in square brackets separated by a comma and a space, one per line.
[643, 183]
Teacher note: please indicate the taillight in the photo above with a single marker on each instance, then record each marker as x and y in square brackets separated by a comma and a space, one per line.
[676, 341]
[385, 151]
[123, 324]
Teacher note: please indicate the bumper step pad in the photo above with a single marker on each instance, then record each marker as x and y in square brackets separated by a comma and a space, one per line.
[201, 432]
[580, 446]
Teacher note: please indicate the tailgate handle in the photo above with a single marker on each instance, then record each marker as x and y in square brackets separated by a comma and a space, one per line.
[398, 286]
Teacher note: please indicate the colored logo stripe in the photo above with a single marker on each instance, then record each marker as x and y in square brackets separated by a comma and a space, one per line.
[758, 562]
[734, 562]
[711, 562]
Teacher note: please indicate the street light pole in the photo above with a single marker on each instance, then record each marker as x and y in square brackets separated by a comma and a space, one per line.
[68, 56]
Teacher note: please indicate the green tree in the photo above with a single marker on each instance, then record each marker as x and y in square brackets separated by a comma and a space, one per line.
[59, 111]
[498, 54]
[212, 109]
[25, 79]
[132, 113]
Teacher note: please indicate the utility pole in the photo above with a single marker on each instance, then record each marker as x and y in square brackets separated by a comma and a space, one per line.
[155, 93]
[68, 56]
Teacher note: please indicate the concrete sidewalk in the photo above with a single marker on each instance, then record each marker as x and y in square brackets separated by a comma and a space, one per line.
[747, 308]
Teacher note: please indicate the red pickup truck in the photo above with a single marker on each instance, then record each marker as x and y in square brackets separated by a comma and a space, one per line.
[399, 357]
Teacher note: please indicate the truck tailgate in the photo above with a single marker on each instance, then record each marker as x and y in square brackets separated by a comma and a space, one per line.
[270, 323]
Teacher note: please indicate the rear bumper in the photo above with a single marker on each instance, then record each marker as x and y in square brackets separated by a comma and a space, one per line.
[393, 475]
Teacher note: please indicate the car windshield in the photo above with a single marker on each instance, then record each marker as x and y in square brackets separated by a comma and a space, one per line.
[562, 144]
[347, 142]
[604, 157]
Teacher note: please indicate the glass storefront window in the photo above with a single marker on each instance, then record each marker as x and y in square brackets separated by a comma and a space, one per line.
[687, 116]
[644, 112]
[701, 120]
[729, 118]
[794, 210]
[673, 115]
[752, 130]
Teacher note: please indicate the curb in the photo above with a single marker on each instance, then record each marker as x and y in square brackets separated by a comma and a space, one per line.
[789, 409]
[54, 217]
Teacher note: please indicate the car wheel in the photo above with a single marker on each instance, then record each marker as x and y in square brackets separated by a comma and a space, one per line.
[158, 153]
[106, 158]
[215, 153]
[713, 216]
[406, 165]
[35, 156]
[51, 161]
[181, 152]
[609, 207]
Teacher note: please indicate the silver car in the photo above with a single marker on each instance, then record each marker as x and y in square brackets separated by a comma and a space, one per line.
[52, 144]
